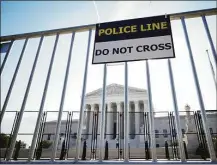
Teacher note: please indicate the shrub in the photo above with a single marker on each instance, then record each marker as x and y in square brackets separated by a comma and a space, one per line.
[4, 139]
[46, 144]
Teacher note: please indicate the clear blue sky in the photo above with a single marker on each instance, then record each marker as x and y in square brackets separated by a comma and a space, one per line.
[22, 17]
[29, 16]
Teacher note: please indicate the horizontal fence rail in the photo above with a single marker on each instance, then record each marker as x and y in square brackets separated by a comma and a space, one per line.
[175, 16]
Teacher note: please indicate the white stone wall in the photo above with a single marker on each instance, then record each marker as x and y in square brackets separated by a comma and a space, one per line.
[160, 124]
[138, 101]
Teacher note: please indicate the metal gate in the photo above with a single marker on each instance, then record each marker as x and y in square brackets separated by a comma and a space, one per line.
[99, 148]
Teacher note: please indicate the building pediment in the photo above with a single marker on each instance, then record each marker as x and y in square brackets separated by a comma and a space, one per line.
[115, 89]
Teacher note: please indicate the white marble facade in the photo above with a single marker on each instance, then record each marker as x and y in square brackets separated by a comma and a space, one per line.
[138, 103]
[114, 106]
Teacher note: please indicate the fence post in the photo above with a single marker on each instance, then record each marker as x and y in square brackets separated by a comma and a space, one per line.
[151, 116]
[175, 106]
[56, 139]
[126, 115]
[199, 94]
[102, 128]
[81, 115]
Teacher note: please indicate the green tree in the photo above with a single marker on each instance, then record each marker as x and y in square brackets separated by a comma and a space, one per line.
[4, 139]
[46, 144]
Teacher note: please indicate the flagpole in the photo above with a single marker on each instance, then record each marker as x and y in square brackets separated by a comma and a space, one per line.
[213, 72]
[212, 69]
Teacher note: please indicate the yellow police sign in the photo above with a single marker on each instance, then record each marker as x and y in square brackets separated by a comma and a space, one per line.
[135, 39]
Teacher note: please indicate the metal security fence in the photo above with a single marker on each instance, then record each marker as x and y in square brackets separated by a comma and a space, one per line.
[167, 145]
[56, 144]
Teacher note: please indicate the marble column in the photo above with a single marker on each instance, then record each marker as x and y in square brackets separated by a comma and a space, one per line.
[145, 103]
[84, 124]
[99, 121]
[147, 121]
[131, 122]
[91, 113]
[122, 120]
[137, 121]
[86, 121]
[118, 119]
[110, 122]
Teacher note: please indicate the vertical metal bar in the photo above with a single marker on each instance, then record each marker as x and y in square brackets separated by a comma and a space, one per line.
[67, 129]
[175, 137]
[175, 106]
[199, 94]
[93, 136]
[145, 129]
[70, 130]
[6, 57]
[121, 132]
[151, 116]
[97, 118]
[62, 101]
[40, 113]
[14, 137]
[12, 130]
[64, 144]
[200, 126]
[93, 132]
[145, 126]
[68, 134]
[171, 135]
[126, 115]
[78, 140]
[12, 82]
[117, 122]
[43, 128]
[212, 70]
[210, 39]
[39, 134]
[102, 129]
[196, 126]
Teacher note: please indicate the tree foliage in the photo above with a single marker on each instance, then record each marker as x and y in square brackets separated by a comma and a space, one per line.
[4, 139]
[46, 144]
